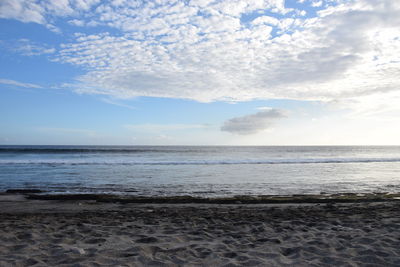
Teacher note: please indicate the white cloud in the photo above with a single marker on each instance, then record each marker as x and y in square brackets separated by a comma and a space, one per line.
[29, 48]
[19, 84]
[266, 20]
[77, 22]
[25, 11]
[316, 3]
[253, 123]
[215, 57]
[204, 50]
[302, 13]
[40, 11]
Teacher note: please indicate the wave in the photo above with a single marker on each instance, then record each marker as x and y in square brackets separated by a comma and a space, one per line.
[85, 150]
[200, 162]
[106, 149]
[47, 149]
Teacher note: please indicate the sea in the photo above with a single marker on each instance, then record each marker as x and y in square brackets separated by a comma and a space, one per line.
[201, 171]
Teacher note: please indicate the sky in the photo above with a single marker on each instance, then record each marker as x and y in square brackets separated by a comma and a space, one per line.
[200, 72]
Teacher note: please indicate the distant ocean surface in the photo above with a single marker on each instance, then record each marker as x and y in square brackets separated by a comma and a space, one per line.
[201, 170]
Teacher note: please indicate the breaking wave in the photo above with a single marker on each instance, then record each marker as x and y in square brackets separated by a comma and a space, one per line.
[197, 162]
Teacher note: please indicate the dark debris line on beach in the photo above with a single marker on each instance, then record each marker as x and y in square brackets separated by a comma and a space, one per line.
[322, 198]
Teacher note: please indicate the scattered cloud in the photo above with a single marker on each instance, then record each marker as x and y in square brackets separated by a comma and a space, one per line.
[253, 123]
[19, 84]
[27, 47]
[180, 54]
[316, 3]
[25, 11]
[227, 50]
[41, 12]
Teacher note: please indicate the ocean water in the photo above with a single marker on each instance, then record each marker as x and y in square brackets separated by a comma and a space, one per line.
[200, 170]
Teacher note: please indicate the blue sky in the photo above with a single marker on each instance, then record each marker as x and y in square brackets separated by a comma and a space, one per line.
[259, 72]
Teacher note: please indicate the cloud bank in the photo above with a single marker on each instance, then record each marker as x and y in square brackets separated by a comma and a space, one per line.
[253, 123]
[227, 50]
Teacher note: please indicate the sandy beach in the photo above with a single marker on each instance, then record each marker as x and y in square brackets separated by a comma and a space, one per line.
[88, 233]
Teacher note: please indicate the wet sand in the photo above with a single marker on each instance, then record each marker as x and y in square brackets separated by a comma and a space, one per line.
[88, 233]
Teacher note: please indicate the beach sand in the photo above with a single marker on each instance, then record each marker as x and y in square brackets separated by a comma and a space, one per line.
[88, 233]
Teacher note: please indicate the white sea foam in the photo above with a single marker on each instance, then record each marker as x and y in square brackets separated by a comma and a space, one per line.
[95, 161]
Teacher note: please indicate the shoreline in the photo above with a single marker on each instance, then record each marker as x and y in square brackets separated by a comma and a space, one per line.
[36, 194]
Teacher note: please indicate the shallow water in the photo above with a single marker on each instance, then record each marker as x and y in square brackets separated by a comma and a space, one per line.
[200, 171]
